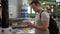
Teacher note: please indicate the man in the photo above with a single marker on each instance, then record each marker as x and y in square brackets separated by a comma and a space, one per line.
[53, 28]
[41, 23]
[48, 8]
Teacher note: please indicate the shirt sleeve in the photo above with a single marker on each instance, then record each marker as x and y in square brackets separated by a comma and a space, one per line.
[44, 16]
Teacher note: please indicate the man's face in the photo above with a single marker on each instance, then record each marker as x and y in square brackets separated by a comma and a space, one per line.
[35, 7]
[48, 9]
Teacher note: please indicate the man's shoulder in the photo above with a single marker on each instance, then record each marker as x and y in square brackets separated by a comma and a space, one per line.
[44, 12]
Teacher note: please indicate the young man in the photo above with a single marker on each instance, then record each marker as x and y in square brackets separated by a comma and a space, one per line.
[48, 8]
[42, 23]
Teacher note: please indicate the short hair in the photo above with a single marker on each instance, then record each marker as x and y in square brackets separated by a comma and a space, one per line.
[36, 2]
[48, 7]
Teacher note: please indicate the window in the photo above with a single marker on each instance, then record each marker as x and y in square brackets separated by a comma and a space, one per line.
[30, 10]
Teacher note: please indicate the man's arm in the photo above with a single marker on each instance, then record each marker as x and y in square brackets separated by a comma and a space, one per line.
[44, 20]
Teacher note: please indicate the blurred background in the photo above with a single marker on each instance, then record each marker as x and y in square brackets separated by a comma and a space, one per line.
[20, 10]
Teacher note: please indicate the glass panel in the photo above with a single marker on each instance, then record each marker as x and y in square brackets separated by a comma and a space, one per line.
[29, 11]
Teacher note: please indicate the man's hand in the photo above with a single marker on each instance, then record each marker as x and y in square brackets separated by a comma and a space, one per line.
[28, 24]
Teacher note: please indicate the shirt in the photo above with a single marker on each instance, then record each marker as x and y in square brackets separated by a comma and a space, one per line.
[44, 16]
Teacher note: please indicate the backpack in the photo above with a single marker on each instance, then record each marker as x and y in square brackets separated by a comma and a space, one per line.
[53, 28]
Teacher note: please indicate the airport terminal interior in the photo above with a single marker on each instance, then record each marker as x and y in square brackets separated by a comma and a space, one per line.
[19, 11]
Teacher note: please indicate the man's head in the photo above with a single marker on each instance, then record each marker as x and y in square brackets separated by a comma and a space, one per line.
[35, 5]
[48, 8]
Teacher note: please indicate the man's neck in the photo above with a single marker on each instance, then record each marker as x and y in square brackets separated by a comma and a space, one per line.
[39, 10]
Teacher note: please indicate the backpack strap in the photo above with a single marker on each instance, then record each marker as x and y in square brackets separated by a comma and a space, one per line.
[40, 13]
